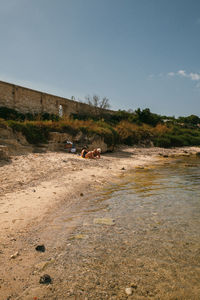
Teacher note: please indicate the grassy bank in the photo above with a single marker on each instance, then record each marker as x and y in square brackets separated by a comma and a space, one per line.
[129, 128]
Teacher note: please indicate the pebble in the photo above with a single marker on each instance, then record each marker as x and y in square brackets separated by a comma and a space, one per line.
[128, 291]
[104, 221]
[40, 248]
[45, 279]
[14, 255]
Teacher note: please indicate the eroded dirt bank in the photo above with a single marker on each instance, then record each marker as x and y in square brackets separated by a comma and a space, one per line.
[43, 197]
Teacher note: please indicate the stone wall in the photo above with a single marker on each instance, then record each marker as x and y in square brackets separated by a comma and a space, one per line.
[26, 100]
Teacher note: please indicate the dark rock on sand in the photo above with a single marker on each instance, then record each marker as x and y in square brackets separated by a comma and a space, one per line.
[45, 279]
[40, 248]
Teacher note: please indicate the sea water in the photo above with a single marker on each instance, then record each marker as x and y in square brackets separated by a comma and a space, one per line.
[147, 234]
[140, 234]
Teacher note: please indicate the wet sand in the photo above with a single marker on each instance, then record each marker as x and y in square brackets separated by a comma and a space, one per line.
[44, 200]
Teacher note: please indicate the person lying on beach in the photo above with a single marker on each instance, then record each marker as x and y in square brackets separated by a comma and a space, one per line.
[84, 151]
[97, 152]
[93, 154]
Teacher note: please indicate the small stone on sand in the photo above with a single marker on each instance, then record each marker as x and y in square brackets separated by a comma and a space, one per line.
[45, 279]
[128, 291]
[104, 221]
[40, 248]
[14, 255]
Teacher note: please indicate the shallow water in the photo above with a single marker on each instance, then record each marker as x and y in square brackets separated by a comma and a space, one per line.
[169, 193]
[142, 232]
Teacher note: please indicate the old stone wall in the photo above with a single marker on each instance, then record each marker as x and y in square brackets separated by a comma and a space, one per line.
[26, 100]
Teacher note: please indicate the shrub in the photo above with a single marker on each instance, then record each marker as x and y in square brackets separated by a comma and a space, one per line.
[38, 131]
[163, 142]
[132, 134]
[12, 114]
[34, 132]
[124, 132]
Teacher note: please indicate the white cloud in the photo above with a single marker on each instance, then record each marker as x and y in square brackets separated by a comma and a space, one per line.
[182, 73]
[194, 76]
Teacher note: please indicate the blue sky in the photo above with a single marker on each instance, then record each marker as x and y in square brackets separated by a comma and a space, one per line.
[137, 53]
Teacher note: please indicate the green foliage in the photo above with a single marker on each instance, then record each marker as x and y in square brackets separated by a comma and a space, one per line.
[125, 127]
[163, 142]
[178, 137]
[138, 117]
[145, 116]
[109, 134]
[190, 120]
[34, 132]
[132, 134]
[12, 114]
[37, 132]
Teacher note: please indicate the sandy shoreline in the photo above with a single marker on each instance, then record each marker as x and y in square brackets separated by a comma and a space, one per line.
[34, 186]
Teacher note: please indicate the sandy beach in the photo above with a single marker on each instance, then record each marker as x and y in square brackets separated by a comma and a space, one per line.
[35, 187]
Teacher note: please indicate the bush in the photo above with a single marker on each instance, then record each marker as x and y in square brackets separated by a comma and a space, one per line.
[12, 114]
[163, 142]
[132, 134]
[35, 133]
[124, 132]
[38, 131]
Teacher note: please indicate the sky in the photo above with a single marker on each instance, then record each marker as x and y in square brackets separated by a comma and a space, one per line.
[137, 53]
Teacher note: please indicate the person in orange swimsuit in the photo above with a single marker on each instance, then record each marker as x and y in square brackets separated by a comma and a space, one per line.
[93, 154]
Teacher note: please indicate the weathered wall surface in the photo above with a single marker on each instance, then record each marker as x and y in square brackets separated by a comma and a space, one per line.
[27, 100]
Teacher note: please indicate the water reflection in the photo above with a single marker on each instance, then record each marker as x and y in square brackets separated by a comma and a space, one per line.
[177, 176]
